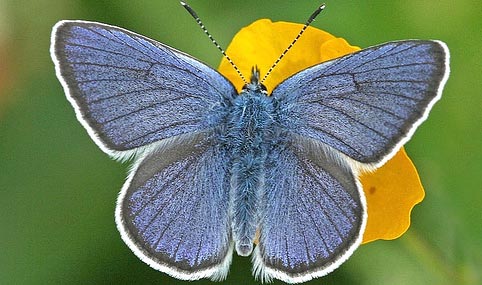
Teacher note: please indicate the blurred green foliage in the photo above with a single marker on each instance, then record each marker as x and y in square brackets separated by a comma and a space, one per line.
[58, 190]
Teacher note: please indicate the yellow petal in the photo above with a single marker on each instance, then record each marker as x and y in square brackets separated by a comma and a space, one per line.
[392, 190]
[262, 42]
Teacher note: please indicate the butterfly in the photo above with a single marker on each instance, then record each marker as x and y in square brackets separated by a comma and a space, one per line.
[216, 171]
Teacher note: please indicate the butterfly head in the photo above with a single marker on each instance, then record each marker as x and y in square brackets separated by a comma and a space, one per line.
[255, 84]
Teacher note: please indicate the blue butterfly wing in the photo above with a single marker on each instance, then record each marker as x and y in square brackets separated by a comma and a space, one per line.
[130, 91]
[313, 213]
[173, 210]
[366, 104]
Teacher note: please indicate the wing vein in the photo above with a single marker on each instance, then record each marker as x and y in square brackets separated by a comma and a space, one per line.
[122, 42]
[385, 54]
[390, 67]
[176, 91]
[329, 134]
[382, 55]
[348, 57]
[148, 202]
[353, 119]
[108, 66]
[159, 129]
[342, 97]
[314, 223]
[143, 109]
[108, 51]
[313, 198]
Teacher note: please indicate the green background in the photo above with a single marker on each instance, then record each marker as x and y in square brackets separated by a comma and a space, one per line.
[58, 190]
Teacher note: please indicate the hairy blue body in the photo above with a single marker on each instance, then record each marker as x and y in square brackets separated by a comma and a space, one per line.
[248, 135]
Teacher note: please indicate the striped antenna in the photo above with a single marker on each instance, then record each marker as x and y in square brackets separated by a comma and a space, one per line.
[200, 23]
[310, 20]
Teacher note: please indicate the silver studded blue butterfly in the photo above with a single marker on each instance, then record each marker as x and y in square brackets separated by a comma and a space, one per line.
[216, 170]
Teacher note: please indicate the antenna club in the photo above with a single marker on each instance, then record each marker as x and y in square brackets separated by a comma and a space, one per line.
[317, 11]
[189, 9]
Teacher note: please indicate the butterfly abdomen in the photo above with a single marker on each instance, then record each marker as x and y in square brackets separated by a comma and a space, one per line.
[249, 124]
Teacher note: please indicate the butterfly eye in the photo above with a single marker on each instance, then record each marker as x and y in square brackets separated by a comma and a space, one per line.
[263, 89]
[255, 87]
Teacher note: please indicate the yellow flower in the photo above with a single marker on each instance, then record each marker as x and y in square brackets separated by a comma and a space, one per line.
[392, 190]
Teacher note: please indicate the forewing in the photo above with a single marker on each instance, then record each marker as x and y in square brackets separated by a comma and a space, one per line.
[173, 210]
[366, 104]
[130, 91]
[313, 213]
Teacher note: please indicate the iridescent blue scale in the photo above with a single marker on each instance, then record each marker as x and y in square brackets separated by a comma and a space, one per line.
[215, 170]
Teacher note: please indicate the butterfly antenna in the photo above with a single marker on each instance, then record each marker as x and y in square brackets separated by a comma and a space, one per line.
[310, 20]
[200, 23]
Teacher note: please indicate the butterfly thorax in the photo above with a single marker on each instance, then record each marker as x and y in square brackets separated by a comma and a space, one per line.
[248, 131]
